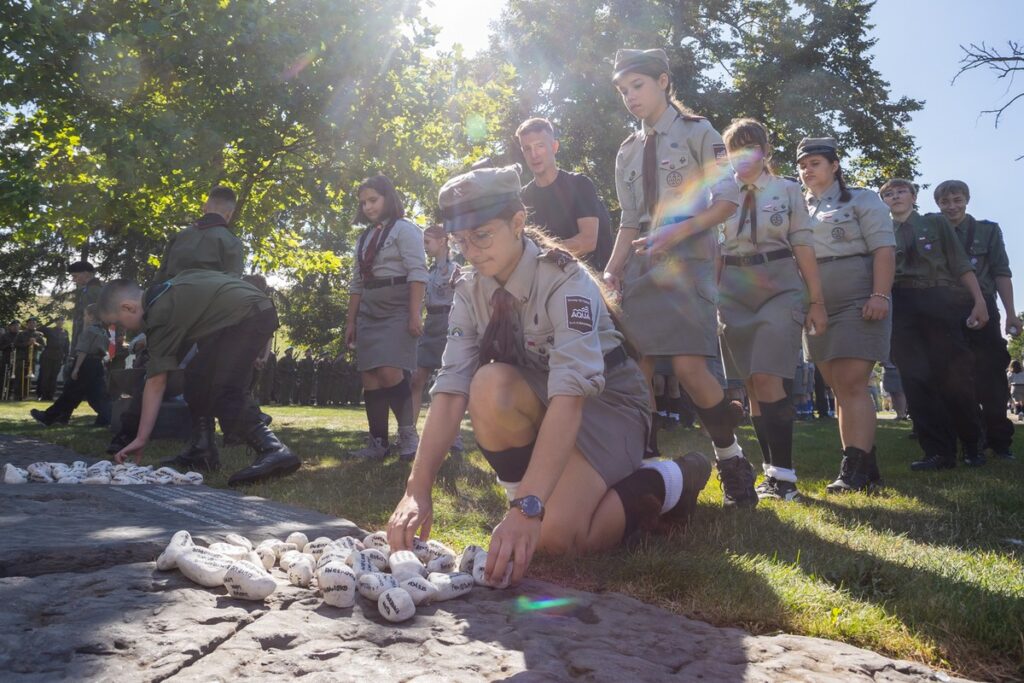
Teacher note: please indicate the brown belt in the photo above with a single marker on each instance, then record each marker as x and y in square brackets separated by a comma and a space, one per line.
[379, 282]
[830, 259]
[757, 259]
[922, 284]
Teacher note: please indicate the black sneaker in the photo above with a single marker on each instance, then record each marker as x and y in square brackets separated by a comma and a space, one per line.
[41, 416]
[780, 490]
[763, 487]
[1003, 453]
[737, 477]
[933, 462]
[696, 471]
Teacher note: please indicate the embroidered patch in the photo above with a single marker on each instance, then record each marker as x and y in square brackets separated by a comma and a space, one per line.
[674, 179]
[579, 314]
[454, 331]
[777, 219]
[721, 156]
[838, 234]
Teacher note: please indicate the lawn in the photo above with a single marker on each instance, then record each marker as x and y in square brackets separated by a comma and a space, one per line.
[928, 570]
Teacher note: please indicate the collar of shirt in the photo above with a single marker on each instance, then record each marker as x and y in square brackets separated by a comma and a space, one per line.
[211, 220]
[829, 195]
[761, 182]
[965, 224]
[664, 122]
[520, 283]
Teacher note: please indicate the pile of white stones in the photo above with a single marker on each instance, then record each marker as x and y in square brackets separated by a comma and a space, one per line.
[102, 472]
[337, 569]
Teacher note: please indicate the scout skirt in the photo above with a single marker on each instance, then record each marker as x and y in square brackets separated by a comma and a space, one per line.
[430, 346]
[762, 310]
[846, 284]
[382, 329]
[613, 431]
[669, 303]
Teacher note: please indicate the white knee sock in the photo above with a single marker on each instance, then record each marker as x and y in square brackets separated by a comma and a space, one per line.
[780, 473]
[672, 475]
[730, 451]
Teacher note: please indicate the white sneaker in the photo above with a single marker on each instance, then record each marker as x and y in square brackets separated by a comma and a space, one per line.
[375, 449]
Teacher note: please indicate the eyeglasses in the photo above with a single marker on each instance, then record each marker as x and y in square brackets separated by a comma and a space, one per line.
[481, 239]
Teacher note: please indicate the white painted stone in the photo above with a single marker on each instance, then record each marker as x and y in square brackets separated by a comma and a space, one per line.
[181, 541]
[372, 584]
[337, 583]
[396, 605]
[248, 581]
[298, 538]
[203, 566]
[421, 590]
[300, 573]
[15, 475]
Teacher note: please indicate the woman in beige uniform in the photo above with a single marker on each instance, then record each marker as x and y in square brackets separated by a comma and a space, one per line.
[673, 184]
[769, 292]
[856, 250]
[559, 408]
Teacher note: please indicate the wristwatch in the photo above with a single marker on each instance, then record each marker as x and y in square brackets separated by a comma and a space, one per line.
[530, 506]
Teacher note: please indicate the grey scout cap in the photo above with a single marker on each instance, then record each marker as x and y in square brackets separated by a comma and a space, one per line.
[630, 60]
[469, 200]
[810, 146]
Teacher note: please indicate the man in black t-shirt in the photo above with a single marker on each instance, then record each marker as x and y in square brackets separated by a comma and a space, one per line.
[564, 204]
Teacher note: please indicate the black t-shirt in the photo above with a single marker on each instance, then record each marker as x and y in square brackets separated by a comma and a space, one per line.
[557, 207]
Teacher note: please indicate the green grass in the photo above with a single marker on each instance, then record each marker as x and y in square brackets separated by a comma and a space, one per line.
[924, 571]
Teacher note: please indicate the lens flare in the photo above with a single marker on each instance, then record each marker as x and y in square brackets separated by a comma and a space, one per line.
[525, 605]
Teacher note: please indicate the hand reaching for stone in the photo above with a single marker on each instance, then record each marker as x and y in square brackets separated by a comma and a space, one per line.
[514, 540]
[415, 512]
[134, 449]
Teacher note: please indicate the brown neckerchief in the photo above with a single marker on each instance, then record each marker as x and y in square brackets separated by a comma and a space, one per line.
[366, 258]
[500, 341]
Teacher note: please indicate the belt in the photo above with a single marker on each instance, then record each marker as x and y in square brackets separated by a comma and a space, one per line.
[757, 259]
[615, 358]
[922, 284]
[438, 309]
[379, 282]
[830, 259]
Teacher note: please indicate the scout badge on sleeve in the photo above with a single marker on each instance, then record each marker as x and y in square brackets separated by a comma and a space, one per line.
[579, 314]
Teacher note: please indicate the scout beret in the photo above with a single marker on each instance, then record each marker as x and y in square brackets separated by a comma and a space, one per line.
[631, 60]
[469, 200]
[810, 146]
[81, 267]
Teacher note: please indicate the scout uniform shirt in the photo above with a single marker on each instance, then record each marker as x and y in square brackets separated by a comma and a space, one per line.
[190, 306]
[985, 250]
[693, 170]
[401, 255]
[858, 227]
[205, 245]
[929, 254]
[566, 329]
[780, 214]
[440, 289]
[93, 341]
[89, 294]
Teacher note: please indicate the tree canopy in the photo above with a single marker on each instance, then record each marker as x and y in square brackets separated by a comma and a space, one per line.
[118, 116]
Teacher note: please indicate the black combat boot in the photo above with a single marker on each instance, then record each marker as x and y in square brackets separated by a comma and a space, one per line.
[202, 454]
[273, 458]
[869, 466]
[852, 473]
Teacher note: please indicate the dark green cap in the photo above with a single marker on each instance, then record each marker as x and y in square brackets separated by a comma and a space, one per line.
[469, 200]
[809, 146]
[631, 60]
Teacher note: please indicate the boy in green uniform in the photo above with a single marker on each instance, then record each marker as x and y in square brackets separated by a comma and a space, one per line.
[928, 343]
[983, 242]
[86, 380]
[230, 322]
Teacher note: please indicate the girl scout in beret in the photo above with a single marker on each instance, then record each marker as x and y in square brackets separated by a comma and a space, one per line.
[439, 296]
[769, 291]
[559, 408]
[855, 247]
[673, 184]
[384, 313]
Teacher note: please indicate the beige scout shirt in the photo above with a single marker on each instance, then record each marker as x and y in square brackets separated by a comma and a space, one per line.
[566, 329]
[859, 226]
[782, 220]
[401, 254]
[693, 170]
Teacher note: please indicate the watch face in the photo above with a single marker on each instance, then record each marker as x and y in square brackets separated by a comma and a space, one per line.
[531, 506]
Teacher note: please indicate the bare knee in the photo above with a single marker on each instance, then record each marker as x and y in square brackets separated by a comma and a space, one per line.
[491, 390]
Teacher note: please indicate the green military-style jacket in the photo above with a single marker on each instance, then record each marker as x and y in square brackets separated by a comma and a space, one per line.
[983, 242]
[93, 341]
[935, 256]
[206, 245]
[89, 294]
[190, 306]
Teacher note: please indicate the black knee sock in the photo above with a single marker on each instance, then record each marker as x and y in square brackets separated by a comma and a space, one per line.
[400, 400]
[652, 436]
[376, 401]
[720, 421]
[778, 426]
[510, 464]
[660, 402]
[642, 494]
[762, 437]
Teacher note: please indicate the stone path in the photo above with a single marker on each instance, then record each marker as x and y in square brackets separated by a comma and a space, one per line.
[82, 600]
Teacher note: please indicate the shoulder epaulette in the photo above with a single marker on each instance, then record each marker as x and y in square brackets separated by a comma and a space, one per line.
[692, 117]
[790, 178]
[986, 221]
[559, 257]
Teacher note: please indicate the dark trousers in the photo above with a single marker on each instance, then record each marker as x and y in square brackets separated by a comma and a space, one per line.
[937, 367]
[46, 384]
[991, 359]
[90, 386]
[218, 377]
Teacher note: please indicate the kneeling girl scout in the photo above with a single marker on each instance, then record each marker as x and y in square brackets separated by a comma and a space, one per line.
[559, 408]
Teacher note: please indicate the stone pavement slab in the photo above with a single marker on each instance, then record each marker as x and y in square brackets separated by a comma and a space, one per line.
[83, 601]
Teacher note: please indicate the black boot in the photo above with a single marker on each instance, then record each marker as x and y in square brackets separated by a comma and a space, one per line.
[869, 466]
[974, 455]
[201, 454]
[933, 462]
[852, 473]
[273, 458]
